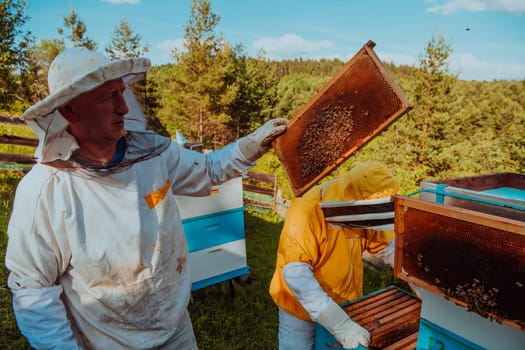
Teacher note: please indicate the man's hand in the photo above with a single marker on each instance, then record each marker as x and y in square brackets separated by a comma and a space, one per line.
[260, 141]
[348, 333]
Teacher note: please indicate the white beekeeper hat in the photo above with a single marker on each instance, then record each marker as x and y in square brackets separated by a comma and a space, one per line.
[78, 70]
[73, 72]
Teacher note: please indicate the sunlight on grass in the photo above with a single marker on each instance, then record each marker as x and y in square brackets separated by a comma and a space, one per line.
[10, 337]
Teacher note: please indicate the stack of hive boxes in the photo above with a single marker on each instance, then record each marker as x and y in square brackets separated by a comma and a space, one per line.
[463, 243]
[214, 227]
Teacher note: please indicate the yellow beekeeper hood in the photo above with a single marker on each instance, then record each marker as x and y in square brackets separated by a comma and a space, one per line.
[73, 72]
[367, 180]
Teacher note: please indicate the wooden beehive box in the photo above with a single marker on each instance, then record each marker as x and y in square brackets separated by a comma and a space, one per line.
[358, 103]
[469, 246]
[390, 315]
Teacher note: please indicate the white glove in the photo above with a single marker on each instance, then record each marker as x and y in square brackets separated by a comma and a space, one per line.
[259, 142]
[387, 254]
[348, 333]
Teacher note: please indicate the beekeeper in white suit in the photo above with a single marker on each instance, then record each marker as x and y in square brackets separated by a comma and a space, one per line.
[96, 251]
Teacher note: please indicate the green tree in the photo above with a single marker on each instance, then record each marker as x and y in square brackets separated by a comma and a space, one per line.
[165, 79]
[204, 87]
[151, 103]
[416, 146]
[321, 68]
[491, 115]
[257, 93]
[77, 31]
[433, 86]
[295, 90]
[125, 42]
[14, 55]
[41, 57]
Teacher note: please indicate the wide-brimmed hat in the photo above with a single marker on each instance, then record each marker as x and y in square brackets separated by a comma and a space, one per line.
[78, 70]
[73, 72]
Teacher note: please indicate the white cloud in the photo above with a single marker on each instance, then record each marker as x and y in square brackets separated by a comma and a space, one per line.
[289, 45]
[122, 1]
[466, 66]
[161, 52]
[169, 45]
[397, 58]
[446, 7]
[470, 68]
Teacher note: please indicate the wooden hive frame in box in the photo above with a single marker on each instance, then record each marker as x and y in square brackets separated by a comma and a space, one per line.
[358, 103]
[474, 259]
[390, 315]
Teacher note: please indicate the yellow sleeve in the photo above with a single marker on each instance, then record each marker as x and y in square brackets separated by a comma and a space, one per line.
[301, 232]
[376, 241]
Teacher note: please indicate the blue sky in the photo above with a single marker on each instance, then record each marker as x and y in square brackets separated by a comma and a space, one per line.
[487, 36]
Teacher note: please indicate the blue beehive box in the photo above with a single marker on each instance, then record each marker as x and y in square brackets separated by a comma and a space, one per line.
[433, 337]
[214, 228]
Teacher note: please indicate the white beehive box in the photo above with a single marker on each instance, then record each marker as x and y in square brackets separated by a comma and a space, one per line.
[223, 197]
[214, 228]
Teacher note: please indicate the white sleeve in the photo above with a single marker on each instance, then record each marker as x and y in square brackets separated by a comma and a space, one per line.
[301, 281]
[192, 171]
[42, 319]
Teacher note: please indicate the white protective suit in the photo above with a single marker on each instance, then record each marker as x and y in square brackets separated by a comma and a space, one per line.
[115, 243]
[97, 257]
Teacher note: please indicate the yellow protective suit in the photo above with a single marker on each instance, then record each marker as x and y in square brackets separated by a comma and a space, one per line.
[334, 253]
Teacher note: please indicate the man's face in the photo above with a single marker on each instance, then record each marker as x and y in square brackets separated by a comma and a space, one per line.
[98, 115]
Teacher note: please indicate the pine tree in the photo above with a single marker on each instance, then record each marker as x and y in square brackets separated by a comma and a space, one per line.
[257, 93]
[125, 43]
[433, 86]
[78, 31]
[204, 87]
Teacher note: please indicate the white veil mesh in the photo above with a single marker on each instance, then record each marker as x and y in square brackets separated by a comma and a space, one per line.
[55, 142]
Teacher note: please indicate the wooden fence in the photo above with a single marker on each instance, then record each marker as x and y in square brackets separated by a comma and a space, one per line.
[261, 191]
[16, 140]
[265, 185]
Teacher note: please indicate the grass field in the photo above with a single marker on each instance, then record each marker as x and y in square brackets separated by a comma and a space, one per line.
[246, 320]
[9, 337]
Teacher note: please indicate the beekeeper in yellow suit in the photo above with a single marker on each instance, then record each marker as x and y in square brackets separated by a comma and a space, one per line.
[319, 258]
